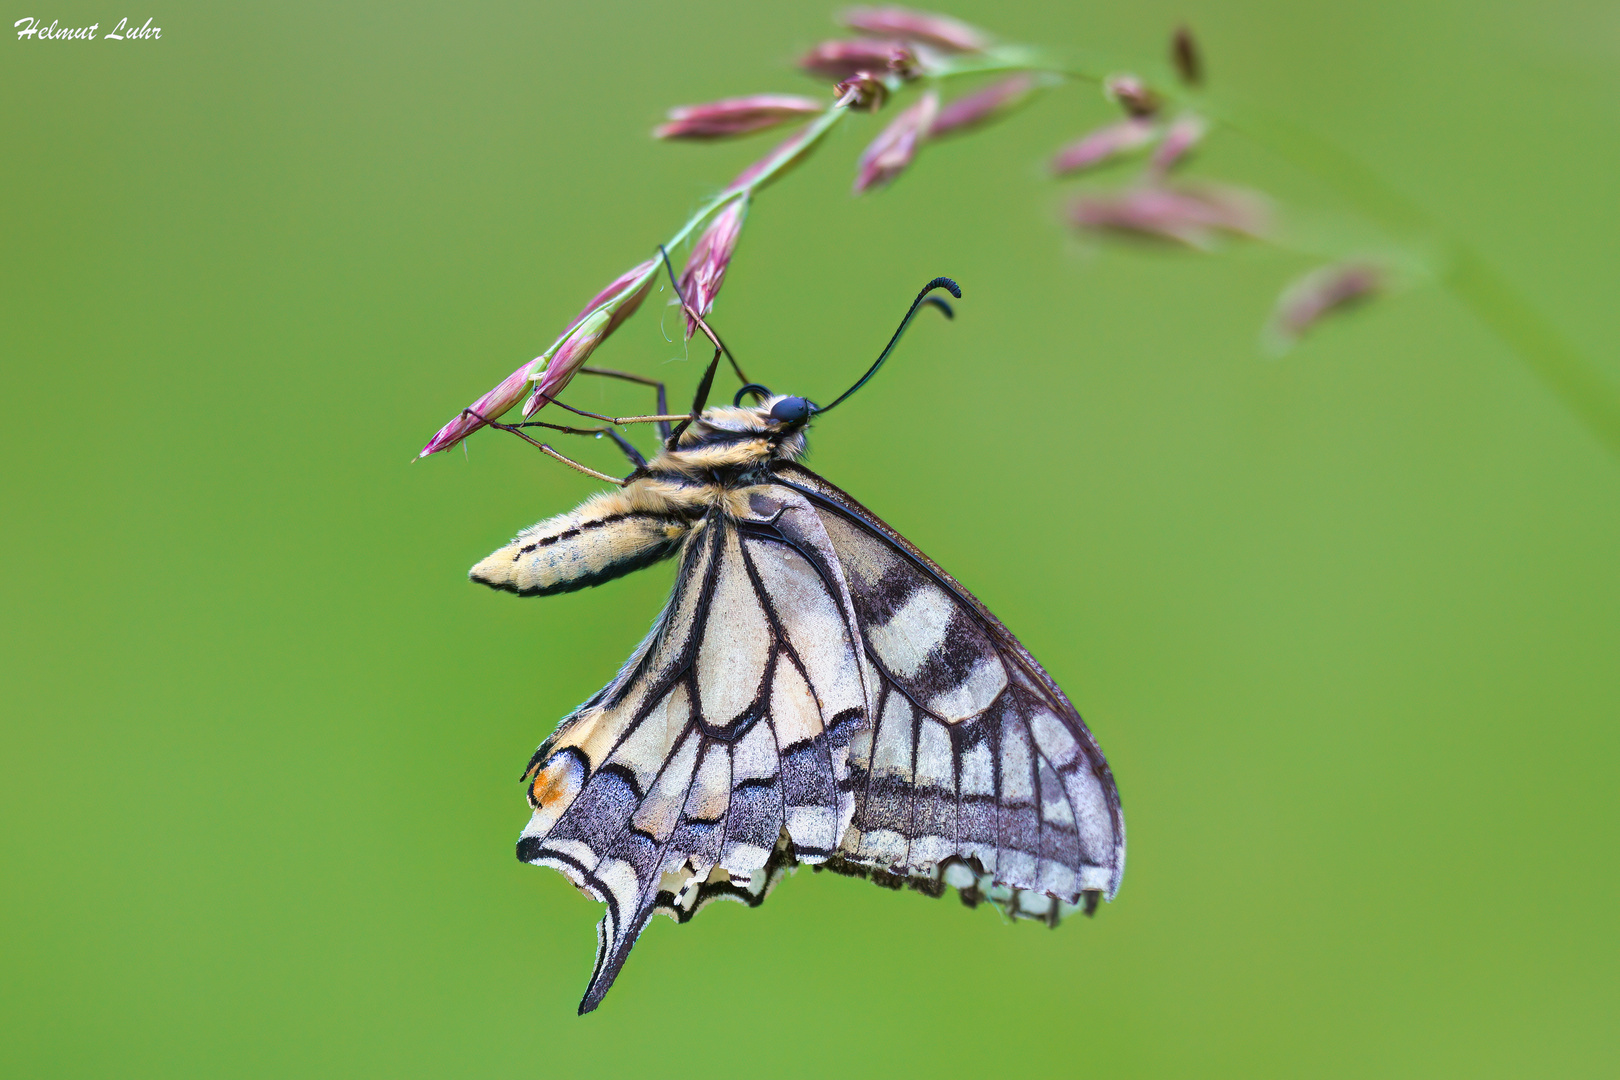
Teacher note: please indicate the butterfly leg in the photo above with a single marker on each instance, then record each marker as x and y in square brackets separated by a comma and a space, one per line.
[629, 450]
[624, 444]
[663, 401]
[516, 429]
[699, 400]
[654, 419]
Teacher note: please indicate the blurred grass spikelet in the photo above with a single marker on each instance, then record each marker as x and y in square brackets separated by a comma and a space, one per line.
[735, 116]
[898, 48]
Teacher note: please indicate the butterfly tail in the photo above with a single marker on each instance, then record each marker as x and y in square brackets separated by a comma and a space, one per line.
[615, 935]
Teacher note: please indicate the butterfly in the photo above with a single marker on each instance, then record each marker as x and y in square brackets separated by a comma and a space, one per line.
[816, 691]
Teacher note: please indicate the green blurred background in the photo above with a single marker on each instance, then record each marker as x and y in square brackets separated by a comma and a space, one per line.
[1347, 624]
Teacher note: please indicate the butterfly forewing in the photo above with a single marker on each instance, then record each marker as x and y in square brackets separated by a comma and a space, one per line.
[974, 755]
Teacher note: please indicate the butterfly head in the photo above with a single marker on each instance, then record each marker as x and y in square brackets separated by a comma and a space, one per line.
[773, 412]
[771, 416]
[744, 436]
[791, 410]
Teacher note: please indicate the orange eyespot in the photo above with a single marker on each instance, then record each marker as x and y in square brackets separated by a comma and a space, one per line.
[550, 783]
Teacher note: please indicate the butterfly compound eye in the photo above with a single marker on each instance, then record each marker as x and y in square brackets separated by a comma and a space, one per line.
[790, 410]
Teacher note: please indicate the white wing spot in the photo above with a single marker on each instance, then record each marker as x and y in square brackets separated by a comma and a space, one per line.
[736, 643]
[973, 694]
[909, 639]
[978, 773]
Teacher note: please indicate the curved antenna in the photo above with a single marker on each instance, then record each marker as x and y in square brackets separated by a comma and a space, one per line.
[916, 305]
[760, 392]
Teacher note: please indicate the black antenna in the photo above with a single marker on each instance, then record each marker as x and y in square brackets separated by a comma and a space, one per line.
[759, 392]
[922, 298]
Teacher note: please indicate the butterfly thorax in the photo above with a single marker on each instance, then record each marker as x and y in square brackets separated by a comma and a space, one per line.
[723, 452]
[710, 470]
[731, 439]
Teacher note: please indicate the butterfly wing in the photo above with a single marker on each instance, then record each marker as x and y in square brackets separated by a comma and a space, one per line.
[977, 771]
[718, 756]
[817, 690]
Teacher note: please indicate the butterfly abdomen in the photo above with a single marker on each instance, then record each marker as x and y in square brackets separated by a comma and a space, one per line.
[601, 540]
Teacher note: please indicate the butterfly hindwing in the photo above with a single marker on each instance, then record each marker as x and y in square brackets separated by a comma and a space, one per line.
[977, 770]
[719, 755]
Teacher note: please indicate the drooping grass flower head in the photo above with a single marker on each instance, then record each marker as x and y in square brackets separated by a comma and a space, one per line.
[892, 46]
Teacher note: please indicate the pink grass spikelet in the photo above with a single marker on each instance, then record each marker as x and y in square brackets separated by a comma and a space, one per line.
[1104, 145]
[1130, 93]
[490, 406]
[617, 293]
[735, 116]
[887, 156]
[567, 360]
[1180, 139]
[705, 268]
[982, 106]
[840, 60]
[1194, 216]
[923, 27]
[1320, 293]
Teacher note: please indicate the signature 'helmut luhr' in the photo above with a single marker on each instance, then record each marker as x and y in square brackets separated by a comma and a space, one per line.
[816, 691]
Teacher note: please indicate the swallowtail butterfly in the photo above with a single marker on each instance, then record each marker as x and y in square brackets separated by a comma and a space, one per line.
[816, 691]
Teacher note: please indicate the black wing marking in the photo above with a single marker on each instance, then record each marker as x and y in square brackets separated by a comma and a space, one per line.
[718, 758]
[977, 771]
